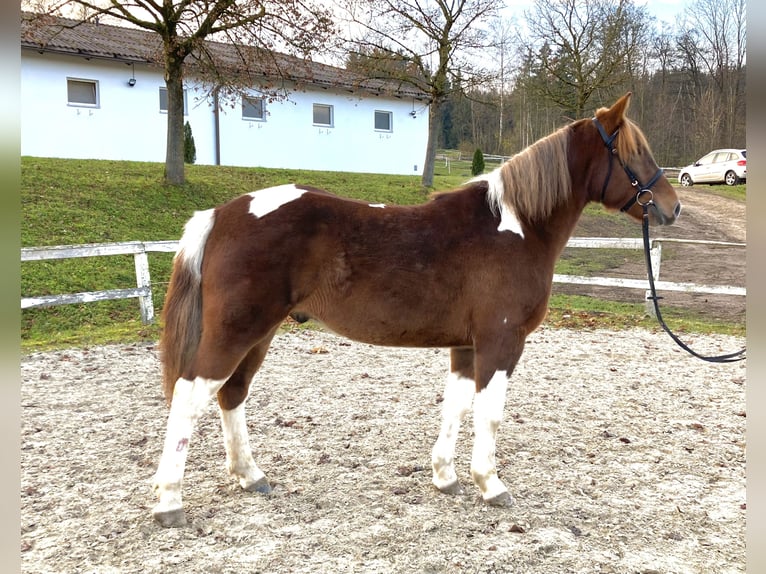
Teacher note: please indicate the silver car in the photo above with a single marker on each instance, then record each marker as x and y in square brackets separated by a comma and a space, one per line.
[727, 166]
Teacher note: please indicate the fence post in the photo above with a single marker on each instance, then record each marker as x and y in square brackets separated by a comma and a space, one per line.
[655, 255]
[144, 283]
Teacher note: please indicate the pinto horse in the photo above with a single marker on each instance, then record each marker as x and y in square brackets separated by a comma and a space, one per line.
[470, 270]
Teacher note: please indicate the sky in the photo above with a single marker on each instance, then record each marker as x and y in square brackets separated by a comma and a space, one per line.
[663, 10]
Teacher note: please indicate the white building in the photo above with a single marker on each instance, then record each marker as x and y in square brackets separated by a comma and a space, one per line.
[91, 92]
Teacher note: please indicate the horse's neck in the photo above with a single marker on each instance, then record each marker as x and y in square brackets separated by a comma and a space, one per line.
[560, 226]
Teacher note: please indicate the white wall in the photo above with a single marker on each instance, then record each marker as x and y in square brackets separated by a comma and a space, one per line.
[288, 138]
[128, 125]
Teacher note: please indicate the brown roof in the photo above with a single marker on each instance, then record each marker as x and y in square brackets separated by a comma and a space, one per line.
[105, 41]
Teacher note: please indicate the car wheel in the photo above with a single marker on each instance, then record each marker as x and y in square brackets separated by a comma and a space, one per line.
[685, 180]
[731, 178]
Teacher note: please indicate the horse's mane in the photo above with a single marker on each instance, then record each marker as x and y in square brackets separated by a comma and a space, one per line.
[536, 179]
[631, 141]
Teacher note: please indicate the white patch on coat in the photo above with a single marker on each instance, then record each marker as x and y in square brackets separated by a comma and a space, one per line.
[239, 455]
[191, 246]
[379, 205]
[488, 406]
[508, 219]
[458, 395]
[272, 198]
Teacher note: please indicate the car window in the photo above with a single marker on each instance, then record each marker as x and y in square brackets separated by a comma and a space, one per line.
[744, 153]
[706, 159]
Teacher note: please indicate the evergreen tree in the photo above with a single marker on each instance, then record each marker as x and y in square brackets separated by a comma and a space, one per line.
[477, 165]
[190, 150]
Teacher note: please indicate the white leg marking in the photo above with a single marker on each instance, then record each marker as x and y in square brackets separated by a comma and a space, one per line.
[488, 409]
[190, 401]
[239, 456]
[378, 205]
[458, 395]
[192, 244]
[272, 198]
[508, 219]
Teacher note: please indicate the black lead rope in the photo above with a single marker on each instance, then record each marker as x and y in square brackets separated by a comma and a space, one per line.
[727, 358]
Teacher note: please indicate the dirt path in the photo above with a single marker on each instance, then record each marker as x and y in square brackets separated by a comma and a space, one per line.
[623, 454]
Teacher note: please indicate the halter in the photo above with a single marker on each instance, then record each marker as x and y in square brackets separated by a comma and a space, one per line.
[642, 189]
[634, 181]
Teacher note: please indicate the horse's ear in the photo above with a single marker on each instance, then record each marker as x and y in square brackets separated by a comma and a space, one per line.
[613, 117]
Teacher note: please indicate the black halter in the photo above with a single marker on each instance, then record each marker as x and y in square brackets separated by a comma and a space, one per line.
[634, 181]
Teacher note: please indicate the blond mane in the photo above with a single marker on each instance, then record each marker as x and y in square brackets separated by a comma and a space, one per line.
[536, 179]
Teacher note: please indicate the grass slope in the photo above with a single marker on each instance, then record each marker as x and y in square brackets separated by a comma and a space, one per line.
[87, 201]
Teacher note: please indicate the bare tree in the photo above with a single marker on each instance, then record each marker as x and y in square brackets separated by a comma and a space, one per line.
[184, 26]
[715, 44]
[583, 47]
[434, 40]
[503, 37]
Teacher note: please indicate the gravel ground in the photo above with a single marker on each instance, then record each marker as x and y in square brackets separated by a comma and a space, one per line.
[623, 453]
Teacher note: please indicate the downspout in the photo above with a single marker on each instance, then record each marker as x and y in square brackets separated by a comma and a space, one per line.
[216, 128]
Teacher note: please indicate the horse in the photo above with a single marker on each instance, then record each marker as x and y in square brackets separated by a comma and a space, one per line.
[470, 270]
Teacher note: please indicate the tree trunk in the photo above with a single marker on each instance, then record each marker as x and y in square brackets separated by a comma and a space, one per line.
[433, 127]
[174, 154]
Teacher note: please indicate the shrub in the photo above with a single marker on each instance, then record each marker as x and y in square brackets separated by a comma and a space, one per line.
[477, 165]
[190, 150]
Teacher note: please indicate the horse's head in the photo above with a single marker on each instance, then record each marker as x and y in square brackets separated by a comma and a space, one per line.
[631, 177]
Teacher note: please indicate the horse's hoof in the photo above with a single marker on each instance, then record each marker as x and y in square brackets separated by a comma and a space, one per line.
[261, 486]
[504, 499]
[170, 518]
[453, 488]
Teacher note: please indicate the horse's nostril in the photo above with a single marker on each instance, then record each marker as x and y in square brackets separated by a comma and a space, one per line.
[677, 210]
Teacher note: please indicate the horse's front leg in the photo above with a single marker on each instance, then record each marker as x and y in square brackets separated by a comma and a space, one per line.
[494, 366]
[190, 400]
[458, 395]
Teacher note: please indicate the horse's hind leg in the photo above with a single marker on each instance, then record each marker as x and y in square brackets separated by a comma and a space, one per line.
[191, 398]
[231, 400]
[190, 401]
[458, 395]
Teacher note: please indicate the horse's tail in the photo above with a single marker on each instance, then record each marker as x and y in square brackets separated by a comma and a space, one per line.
[182, 312]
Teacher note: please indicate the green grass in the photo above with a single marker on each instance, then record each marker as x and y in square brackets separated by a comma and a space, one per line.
[85, 201]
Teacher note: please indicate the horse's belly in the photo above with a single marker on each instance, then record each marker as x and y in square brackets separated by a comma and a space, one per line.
[396, 327]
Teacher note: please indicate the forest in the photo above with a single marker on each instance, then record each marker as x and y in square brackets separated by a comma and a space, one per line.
[561, 63]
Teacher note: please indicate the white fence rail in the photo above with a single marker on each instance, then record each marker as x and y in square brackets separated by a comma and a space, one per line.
[656, 256]
[139, 250]
[671, 172]
[143, 289]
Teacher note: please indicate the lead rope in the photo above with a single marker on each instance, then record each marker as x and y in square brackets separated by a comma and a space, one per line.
[727, 358]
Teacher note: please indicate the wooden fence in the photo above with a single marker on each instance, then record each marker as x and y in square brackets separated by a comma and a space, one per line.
[448, 159]
[139, 250]
[143, 289]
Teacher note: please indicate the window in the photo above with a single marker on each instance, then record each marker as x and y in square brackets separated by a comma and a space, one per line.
[383, 121]
[164, 101]
[323, 115]
[253, 108]
[82, 92]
